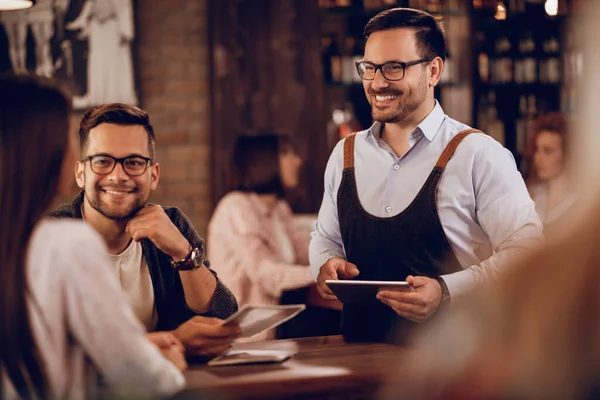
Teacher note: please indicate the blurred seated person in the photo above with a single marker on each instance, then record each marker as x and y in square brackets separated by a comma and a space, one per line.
[549, 183]
[534, 334]
[64, 321]
[253, 241]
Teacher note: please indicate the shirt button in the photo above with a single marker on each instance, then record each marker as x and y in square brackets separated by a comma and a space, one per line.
[388, 209]
[396, 167]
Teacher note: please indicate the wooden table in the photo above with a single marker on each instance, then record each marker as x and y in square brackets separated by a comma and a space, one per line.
[324, 368]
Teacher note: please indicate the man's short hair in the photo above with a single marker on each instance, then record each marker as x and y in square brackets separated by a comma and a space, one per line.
[118, 114]
[429, 32]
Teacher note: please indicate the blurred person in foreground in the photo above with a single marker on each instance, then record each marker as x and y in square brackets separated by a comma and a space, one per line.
[417, 197]
[535, 334]
[549, 184]
[64, 321]
[253, 240]
[155, 250]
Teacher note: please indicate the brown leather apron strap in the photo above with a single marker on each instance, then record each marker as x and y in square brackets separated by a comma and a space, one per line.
[349, 151]
[442, 161]
[451, 147]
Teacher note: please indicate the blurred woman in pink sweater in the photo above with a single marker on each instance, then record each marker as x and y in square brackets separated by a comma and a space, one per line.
[253, 241]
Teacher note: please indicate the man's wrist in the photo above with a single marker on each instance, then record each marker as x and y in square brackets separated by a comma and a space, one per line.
[445, 293]
[192, 261]
[182, 253]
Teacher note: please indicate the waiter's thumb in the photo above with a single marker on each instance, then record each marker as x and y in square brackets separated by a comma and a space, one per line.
[416, 281]
[350, 270]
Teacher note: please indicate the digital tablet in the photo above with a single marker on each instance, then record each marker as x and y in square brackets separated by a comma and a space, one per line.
[354, 291]
[255, 319]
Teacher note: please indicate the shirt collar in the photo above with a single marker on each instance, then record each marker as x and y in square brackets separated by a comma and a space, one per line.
[429, 126]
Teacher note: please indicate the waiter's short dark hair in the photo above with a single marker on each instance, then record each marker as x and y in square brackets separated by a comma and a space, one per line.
[255, 163]
[429, 32]
[118, 114]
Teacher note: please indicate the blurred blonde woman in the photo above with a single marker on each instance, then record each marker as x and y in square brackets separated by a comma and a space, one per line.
[534, 335]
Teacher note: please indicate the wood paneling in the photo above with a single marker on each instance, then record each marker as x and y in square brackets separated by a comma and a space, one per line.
[266, 74]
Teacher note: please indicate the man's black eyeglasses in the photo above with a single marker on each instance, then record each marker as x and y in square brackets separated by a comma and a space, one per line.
[392, 71]
[104, 164]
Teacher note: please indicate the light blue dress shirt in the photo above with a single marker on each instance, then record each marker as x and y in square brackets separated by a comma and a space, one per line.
[483, 204]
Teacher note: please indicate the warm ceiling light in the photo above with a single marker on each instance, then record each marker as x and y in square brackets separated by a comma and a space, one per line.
[15, 4]
[500, 11]
[551, 7]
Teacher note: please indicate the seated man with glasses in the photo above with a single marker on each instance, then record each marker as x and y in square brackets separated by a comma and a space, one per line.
[417, 197]
[156, 251]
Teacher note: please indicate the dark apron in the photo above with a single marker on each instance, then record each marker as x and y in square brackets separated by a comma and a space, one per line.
[389, 249]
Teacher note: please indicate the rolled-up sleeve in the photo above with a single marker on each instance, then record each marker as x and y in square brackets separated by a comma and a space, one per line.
[505, 212]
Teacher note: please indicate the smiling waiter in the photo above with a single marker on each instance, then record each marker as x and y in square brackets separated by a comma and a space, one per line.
[418, 196]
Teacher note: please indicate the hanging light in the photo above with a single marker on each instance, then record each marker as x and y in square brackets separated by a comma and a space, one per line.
[551, 7]
[15, 4]
[500, 11]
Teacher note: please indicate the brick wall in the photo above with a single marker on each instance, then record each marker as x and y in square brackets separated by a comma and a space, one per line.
[172, 67]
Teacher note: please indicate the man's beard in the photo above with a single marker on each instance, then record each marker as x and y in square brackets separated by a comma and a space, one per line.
[404, 108]
[98, 205]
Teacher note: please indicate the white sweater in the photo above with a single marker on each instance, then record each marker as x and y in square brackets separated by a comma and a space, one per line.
[82, 322]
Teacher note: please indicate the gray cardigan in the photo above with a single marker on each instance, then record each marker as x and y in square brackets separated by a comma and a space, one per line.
[169, 297]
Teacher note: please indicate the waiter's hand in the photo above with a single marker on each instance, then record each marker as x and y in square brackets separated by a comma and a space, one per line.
[417, 305]
[334, 268]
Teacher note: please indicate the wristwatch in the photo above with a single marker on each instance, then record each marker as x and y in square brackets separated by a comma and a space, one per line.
[445, 293]
[191, 262]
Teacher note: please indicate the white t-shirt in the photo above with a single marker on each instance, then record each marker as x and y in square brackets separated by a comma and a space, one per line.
[83, 323]
[133, 272]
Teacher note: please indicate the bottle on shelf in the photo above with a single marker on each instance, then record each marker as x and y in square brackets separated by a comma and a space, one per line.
[521, 125]
[348, 68]
[357, 55]
[482, 113]
[502, 71]
[332, 60]
[483, 67]
[550, 64]
[495, 127]
[326, 54]
[529, 61]
[526, 65]
[527, 114]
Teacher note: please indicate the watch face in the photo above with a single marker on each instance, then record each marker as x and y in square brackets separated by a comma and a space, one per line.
[193, 261]
[196, 259]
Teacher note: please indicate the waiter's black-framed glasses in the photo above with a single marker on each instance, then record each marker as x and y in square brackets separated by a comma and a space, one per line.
[103, 164]
[392, 71]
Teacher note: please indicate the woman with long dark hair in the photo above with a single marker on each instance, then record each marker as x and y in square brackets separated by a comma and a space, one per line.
[60, 303]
